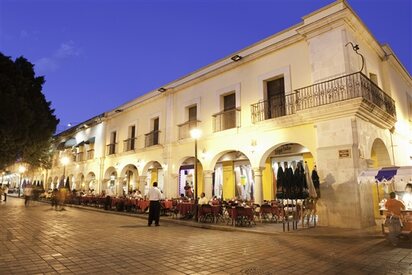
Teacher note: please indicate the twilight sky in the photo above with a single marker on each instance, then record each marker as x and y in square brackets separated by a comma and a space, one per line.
[96, 55]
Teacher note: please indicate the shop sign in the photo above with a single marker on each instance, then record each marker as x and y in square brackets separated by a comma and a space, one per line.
[344, 153]
[287, 148]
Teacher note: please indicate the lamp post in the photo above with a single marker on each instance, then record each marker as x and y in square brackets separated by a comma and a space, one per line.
[22, 169]
[64, 160]
[195, 134]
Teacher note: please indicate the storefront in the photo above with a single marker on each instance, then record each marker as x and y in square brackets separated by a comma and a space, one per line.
[285, 173]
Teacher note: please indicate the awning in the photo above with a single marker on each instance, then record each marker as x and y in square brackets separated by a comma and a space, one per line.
[386, 173]
[90, 140]
[80, 144]
[70, 143]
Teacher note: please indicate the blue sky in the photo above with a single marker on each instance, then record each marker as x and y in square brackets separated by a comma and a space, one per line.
[96, 55]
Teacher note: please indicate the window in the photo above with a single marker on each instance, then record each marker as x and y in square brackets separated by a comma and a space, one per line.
[226, 119]
[229, 102]
[410, 108]
[192, 113]
[111, 148]
[275, 94]
[228, 115]
[184, 128]
[129, 143]
[152, 138]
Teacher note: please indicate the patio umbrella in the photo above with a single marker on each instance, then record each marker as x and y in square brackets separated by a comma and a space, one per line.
[311, 186]
[67, 183]
[61, 183]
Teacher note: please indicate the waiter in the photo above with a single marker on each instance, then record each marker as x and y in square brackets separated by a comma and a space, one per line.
[154, 195]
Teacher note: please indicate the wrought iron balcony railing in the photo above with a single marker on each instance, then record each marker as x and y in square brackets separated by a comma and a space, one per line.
[226, 120]
[152, 138]
[111, 148]
[184, 128]
[129, 144]
[274, 107]
[351, 86]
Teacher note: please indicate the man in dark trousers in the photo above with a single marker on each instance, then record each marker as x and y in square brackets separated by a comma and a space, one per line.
[154, 195]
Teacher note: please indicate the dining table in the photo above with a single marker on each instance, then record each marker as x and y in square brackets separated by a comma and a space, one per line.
[241, 216]
[185, 209]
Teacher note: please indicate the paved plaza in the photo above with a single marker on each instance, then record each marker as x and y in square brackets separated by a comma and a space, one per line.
[39, 240]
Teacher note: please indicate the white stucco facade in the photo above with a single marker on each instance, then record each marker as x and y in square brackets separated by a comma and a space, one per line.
[313, 52]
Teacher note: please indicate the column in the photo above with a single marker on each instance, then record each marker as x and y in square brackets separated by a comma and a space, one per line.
[257, 188]
[208, 183]
[142, 184]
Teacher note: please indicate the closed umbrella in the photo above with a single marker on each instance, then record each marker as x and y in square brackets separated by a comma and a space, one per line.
[67, 183]
[311, 186]
[61, 183]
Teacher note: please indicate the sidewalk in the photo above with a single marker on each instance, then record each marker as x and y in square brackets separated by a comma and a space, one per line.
[259, 228]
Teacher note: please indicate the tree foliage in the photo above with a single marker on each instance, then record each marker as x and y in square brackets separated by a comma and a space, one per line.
[27, 122]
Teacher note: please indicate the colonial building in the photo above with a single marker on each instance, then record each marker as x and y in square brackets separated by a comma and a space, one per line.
[323, 92]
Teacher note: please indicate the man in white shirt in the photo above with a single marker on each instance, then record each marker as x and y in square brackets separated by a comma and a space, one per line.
[154, 195]
[203, 199]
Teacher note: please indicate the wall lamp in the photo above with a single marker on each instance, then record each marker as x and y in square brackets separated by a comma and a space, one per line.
[162, 90]
[236, 58]
[118, 111]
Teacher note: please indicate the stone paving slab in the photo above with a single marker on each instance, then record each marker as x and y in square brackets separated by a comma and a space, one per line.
[40, 240]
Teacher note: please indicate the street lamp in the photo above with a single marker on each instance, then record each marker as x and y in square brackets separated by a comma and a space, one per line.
[64, 160]
[195, 134]
[22, 169]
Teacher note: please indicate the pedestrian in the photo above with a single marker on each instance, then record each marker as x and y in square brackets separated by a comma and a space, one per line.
[5, 192]
[393, 218]
[154, 195]
[55, 198]
[27, 194]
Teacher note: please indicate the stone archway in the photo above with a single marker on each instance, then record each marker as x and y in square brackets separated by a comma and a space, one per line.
[379, 155]
[284, 173]
[186, 179]
[233, 176]
[90, 183]
[379, 158]
[129, 178]
[153, 171]
[110, 182]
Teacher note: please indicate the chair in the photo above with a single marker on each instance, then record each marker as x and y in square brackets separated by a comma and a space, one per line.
[205, 213]
[256, 210]
[174, 211]
[266, 213]
[240, 216]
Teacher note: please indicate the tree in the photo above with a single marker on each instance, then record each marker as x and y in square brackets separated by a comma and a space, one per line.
[27, 122]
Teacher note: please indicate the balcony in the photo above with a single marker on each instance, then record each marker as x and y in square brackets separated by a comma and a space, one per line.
[152, 138]
[111, 148]
[184, 128]
[80, 156]
[336, 95]
[129, 144]
[226, 120]
[90, 154]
